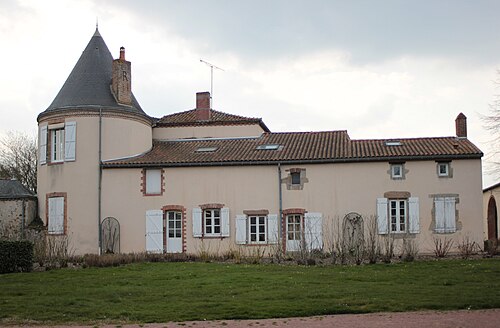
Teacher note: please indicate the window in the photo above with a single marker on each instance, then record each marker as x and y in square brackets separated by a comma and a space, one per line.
[445, 214]
[268, 147]
[58, 141]
[398, 215]
[443, 170]
[257, 227]
[56, 210]
[295, 178]
[174, 222]
[206, 149]
[397, 171]
[211, 220]
[293, 227]
[153, 179]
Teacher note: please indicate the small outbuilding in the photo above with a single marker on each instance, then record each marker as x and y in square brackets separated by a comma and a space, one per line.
[18, 208]
[491, 206]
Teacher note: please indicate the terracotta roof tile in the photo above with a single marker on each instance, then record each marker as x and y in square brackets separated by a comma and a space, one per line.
[298, 147]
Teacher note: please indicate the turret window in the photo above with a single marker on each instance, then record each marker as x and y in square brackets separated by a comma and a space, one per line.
[57, 143]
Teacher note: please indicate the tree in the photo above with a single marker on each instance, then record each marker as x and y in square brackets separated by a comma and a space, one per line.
[18, 158]
[492, 124]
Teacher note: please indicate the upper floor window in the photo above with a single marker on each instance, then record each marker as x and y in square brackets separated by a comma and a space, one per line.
[57, 142]
[152, 182]
[296, 179]
[397, 171]
[444, 170]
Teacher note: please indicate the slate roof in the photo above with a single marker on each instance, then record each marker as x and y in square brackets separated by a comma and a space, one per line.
[88, 85]
[188, 118]
[297, 147]
[13, 189]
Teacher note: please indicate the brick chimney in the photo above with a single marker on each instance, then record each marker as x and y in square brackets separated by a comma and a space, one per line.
[461, 125]
[203, 106]
[121, 82]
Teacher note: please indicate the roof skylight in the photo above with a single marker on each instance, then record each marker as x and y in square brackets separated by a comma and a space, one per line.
[206, 149]
[393, 143]
[268, 147]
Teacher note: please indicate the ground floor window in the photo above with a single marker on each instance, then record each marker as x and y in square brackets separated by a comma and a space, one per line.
[56, 213]
[257, 229]
[398, 216]
[294, 223]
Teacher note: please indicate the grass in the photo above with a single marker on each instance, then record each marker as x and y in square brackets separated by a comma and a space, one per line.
[162, 292]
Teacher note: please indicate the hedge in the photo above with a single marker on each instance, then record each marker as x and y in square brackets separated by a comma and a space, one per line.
[16, 256]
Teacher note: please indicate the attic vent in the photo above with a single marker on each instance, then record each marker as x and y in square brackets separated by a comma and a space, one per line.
[206, 149]
[268, 147]
[393, 143]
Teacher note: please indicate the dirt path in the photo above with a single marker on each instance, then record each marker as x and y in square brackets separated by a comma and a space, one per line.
[427, 319]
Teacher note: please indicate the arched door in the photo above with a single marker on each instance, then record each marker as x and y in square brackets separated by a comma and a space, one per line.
[492, 219]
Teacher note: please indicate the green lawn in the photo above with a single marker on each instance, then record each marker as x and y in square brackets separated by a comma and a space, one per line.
[161, 292]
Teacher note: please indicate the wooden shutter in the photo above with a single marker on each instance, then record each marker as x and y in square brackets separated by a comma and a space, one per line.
[439, 214]
[313, 231]
[154, 231]
[42, 141]
[272, 229]
[414, 215]
[197, 226]
[56, 215]
[70, 141]
[449, 214]
[224, 213]
[153, 181]
[382, 222]
[241, 229]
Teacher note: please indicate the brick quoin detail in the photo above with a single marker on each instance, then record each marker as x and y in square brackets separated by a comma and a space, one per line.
[175, 208]
[143, 182]
[52, 195]
[286, 212]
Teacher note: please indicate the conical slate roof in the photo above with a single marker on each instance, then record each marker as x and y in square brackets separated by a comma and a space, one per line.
[88, 85]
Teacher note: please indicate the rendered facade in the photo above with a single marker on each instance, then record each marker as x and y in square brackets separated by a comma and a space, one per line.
[205, 180]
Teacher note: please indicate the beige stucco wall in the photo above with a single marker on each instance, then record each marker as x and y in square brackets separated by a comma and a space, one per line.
[332, 189]
[80, 179]
[495, 192]
[223, 131]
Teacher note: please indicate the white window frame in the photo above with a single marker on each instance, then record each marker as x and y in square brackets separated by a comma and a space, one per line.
[447, 169]
[57, 145]
[297, 234]
[153, 181]
[393, 171]
[258, 225]
[395, 204]
[174, 231]
[212, 223]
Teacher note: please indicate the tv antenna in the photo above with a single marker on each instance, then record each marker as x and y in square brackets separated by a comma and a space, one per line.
[212, 66]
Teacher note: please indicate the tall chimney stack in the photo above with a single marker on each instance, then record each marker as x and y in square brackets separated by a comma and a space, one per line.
[121, 82]
[461, 125]
[203, 106]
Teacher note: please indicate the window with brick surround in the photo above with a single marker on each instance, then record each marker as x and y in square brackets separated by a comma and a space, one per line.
[56, 213]
[257, 227]
[211, 220]
[153, 182]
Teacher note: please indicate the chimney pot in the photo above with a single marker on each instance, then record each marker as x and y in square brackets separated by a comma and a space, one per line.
[122, 53]
[203, 106]
[461, 125]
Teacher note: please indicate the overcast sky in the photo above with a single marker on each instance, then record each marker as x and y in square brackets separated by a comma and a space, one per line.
[378, 69]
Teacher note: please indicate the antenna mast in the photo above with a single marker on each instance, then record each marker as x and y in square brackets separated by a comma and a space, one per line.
[212, 66]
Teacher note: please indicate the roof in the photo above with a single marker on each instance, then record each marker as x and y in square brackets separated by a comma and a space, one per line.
[88, 85]
[189, 118]
[13, 189]
[497, 185]
[297, 147]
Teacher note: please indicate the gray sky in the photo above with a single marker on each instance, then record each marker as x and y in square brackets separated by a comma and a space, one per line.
[378, 69]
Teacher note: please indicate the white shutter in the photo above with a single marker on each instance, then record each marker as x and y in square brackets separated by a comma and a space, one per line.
[224, 212]
[272, 229]
[449, 214]
[382, 216]
[153, 181]
[70, 141]
[56, 215]
[439, 214]
[42, 141]
[313, 231]
[414, 215]
[154, 231]
[197, 222]
[241, 229]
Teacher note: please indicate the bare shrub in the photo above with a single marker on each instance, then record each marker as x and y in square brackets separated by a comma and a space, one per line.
[467, 248]
[409, 250]
[442, 246]
[387, 248]
[372, 247]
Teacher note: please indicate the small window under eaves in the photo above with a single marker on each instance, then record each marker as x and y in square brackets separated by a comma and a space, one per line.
[206, 149]
[268, 147]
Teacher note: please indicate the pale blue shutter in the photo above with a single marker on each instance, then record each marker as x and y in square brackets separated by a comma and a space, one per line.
[272, 229]
[154, 231]
[313, 231]
[42, 141]
[382, 222]
[197, 225]
[241, 229]
[70, 141]
[224, 212]
[439, 214]
[414, 215]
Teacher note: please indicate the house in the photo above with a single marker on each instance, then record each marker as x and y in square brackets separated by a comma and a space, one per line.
[491, 202]
[18, 208]
[113, 179]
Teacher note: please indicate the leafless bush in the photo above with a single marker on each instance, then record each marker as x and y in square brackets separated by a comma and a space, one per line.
[467, 248]
[372, 248]
[387, 248]
[442, 246]
[409, 250]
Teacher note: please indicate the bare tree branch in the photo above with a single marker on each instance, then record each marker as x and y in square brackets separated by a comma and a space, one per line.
[18, 159]
[491, 122]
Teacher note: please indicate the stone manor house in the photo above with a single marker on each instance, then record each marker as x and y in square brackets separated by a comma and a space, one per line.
[111, 178]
